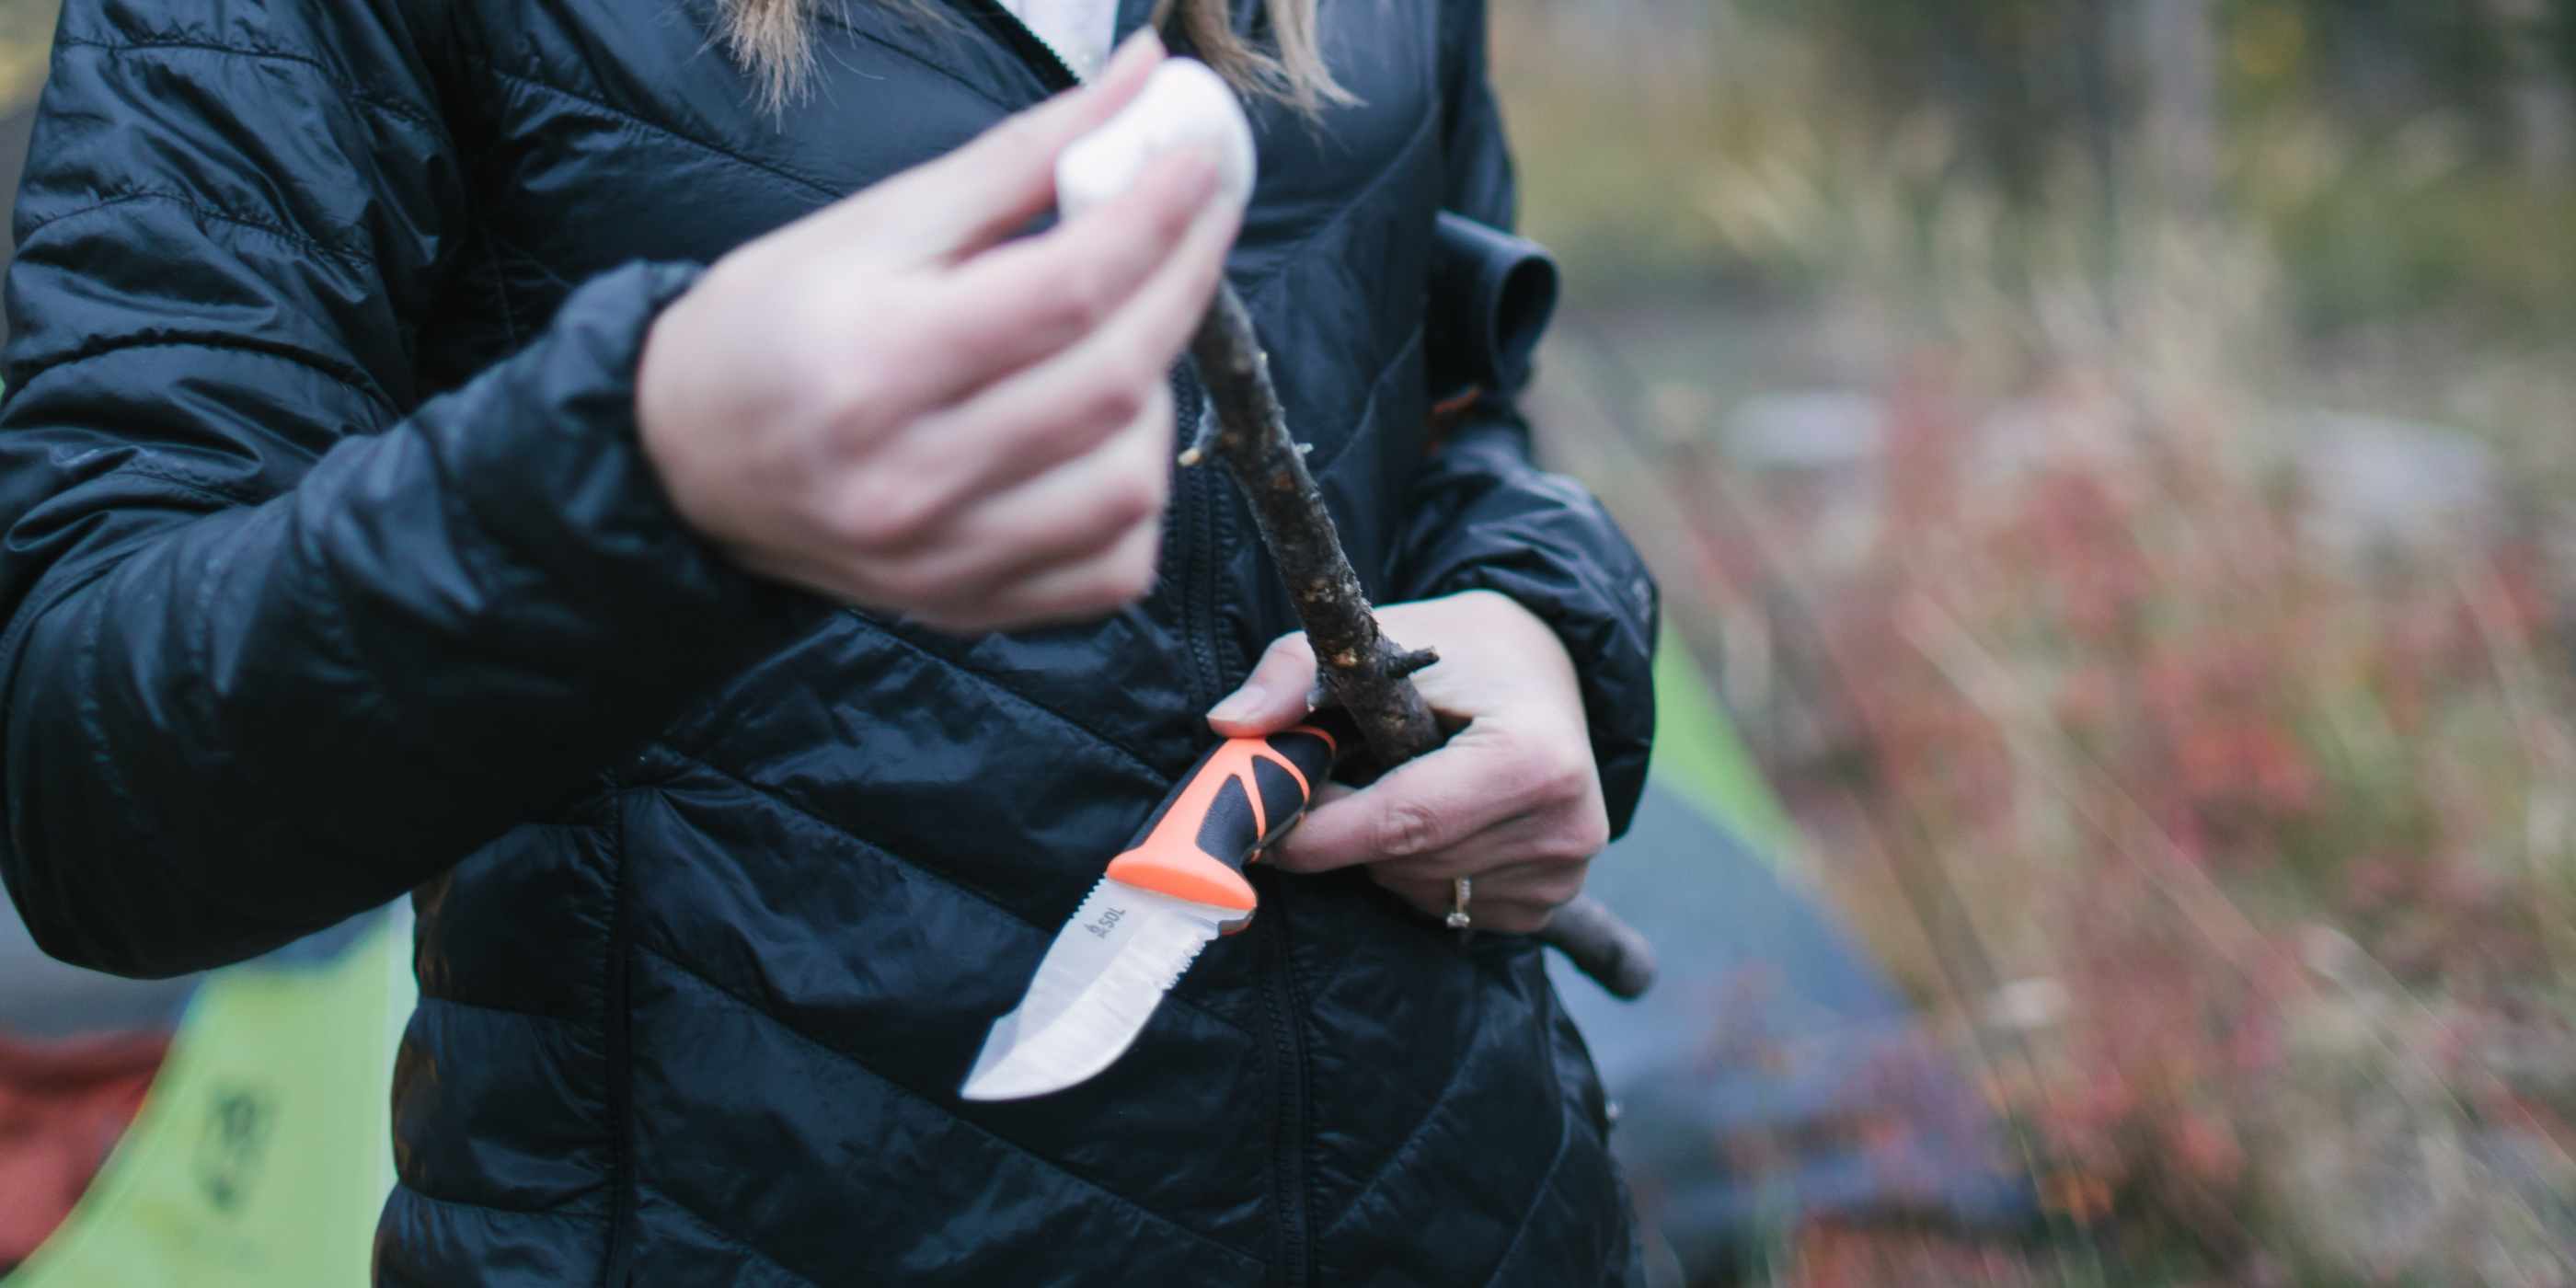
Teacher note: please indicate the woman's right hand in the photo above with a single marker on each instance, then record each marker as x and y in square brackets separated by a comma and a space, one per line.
[888, 403]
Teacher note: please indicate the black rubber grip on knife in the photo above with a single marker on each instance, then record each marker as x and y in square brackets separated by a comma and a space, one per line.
[1243, 794]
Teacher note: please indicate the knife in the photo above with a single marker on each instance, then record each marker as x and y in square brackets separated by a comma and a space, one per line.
[1171, 892]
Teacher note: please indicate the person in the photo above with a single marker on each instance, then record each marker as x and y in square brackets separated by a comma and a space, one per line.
[652, 484]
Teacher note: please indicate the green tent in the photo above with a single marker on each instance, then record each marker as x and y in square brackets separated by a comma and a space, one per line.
[262, 1154]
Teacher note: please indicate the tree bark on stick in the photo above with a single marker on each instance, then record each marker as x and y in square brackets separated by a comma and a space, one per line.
[1358, 668]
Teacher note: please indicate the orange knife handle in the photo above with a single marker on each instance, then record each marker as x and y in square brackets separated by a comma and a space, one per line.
[1240, 796]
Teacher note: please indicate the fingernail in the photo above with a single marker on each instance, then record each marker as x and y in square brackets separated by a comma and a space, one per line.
[1240, 705]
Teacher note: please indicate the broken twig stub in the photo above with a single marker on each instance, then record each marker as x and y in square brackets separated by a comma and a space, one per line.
[1356, 664]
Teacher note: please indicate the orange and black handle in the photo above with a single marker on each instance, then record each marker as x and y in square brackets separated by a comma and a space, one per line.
[1246, 792]
[1242, 795]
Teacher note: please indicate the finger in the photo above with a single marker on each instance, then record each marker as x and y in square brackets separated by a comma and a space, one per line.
[1067, 404]
[1499, 909]
[1169, 308]
[1539, 884]
[960, 458]
[1024, 300]
[994, 184]
[1516, 839]
[1562, 821]
[1274, 696]
[1418, 808]
[1079, 591]
[1431, 898]
[1068, 514]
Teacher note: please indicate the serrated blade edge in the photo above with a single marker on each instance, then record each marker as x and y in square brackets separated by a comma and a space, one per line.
[1082, 1012]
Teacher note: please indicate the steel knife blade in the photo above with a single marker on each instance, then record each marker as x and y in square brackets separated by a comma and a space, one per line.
[1176, 887]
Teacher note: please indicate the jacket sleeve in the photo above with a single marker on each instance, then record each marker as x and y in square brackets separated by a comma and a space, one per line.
[1484, 516]
[281, 641]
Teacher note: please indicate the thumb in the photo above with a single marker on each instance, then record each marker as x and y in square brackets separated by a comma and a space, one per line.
[1273, 697]
[993, 185]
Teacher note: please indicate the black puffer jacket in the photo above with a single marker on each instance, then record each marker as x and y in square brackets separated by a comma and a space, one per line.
[333, 571]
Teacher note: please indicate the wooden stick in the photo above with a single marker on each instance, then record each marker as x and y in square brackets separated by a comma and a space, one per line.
[1356, 665]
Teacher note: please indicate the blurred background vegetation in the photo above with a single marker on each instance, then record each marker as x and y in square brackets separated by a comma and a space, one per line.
[2114, 457]
[26, 38]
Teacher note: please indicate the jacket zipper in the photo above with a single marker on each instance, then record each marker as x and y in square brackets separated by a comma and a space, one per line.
[1203, 512]
[1032, 48]
[619, 1272]
[1196, 509]
[1209, 519]
[1288, 1141]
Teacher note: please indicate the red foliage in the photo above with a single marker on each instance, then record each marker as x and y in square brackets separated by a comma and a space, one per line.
[2121, 727]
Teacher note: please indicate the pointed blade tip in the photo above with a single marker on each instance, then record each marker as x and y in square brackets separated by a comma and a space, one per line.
[991, 1086]
[1015, 1065]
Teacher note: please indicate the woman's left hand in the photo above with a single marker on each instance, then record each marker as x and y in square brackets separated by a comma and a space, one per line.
[1512, 801]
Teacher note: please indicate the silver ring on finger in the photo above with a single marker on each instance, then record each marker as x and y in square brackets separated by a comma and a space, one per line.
[1459, 890]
